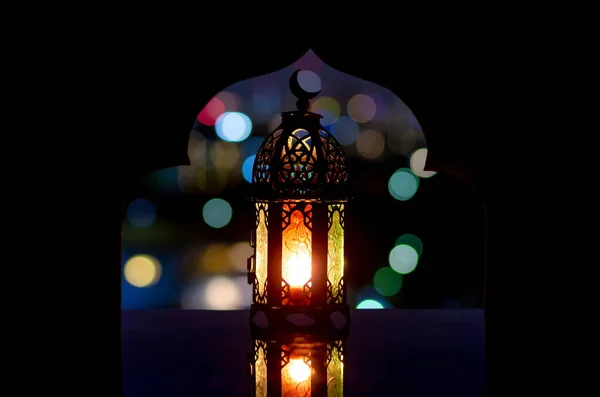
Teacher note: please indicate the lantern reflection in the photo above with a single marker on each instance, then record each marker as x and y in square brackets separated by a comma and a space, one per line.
[298, 365]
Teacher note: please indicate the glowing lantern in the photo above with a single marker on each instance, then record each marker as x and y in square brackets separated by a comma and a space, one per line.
[299, 192]
[297, 365]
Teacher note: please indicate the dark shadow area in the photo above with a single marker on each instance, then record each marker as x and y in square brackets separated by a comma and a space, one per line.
[388, 352]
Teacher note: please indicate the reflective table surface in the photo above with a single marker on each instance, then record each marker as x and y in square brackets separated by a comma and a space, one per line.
[173, 353]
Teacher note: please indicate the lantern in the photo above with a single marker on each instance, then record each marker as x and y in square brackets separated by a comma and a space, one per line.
[297, 365]
[299, 193]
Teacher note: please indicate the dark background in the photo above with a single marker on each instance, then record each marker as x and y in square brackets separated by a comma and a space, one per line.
[131, 85]
[164, 209]
[388, 352]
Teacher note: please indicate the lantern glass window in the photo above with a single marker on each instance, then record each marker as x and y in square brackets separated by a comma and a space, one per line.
[298, 368]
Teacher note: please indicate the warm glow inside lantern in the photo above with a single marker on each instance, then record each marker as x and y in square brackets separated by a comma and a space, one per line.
[299, 191]
[297, 366]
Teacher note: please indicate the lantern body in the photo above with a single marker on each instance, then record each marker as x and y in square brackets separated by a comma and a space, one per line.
[299, 193]
[298, 365]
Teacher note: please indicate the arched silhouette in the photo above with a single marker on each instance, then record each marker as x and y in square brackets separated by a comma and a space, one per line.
[161, 152]
[452, 263]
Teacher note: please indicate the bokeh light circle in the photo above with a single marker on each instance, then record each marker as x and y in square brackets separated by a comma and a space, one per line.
[328, 118]
[211, 112]
[368, 292]
[382, 106]
[327, 107]
[233, 126]
[370, 144]
[345, 130]
[141, 213]
[224, 155]
[222, 293]
[217, 213]
[238, 254]
[369, 304]
[247, 167]
[197, 147]
[309, 81]
[403, 184]
[387, 281]
[142, 271]
[361, 108]
[403, 258]
[417, 163]
[214, 258]
[412, 240]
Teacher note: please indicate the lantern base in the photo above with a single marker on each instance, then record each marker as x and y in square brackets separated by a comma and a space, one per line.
[330, 321]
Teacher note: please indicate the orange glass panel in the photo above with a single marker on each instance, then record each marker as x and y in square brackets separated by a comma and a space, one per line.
[296, 264]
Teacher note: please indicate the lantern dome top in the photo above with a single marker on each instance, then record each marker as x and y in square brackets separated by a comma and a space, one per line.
[300, 160]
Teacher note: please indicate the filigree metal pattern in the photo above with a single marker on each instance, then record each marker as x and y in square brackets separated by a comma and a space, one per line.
[262, 164]
[299, 297]
[338, 294]
[261, 207]
[260, 346]
[335, 350]
[286, 215]
[339, 208]
[300, 162]
[336, 163]
[259, 295]
[298, 158]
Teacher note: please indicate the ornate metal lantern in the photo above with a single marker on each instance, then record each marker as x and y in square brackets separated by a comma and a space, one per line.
[297, 365]
[299, 192]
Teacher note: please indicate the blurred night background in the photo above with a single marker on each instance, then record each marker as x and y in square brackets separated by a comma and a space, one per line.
[414, 238]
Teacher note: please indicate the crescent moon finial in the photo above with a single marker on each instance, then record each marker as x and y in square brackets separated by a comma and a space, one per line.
[302, 95]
